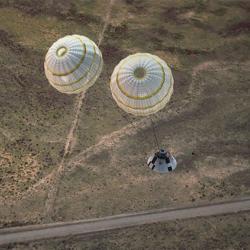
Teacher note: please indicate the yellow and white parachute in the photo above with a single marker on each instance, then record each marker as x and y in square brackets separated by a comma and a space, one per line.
[73, 64]
[142, 84]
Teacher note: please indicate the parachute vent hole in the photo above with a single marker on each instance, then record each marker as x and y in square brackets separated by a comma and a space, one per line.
[139, 73]
[61, 51]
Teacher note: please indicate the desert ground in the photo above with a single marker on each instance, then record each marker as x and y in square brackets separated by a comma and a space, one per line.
[205, 125]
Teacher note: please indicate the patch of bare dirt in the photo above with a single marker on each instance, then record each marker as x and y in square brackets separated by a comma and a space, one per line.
[59, 8]
[196, 84]
[187, 15]
[35, 7]
[237, 29]
[204, 66]
[240, 178]
[220, 168]
[186, 51]
[138, 5]
[110, 51]
[7, 134]
[177, 15]
[17, 174]
[8, 41]
[243, 4]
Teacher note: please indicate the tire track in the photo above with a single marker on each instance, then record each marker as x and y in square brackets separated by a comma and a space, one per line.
[57, 175]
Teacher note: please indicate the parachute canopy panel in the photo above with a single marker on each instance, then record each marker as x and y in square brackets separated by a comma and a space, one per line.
[73, 64]
[142, 84]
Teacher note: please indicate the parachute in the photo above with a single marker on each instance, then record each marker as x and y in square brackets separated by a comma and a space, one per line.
[73, 64]
[142, 84]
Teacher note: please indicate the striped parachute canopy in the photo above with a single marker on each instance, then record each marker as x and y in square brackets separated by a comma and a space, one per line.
[73, 64]
[142, 84]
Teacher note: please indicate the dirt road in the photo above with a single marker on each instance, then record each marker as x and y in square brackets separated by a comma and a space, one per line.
[92, 226]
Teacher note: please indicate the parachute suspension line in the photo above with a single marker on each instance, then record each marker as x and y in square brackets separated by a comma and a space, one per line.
[132, 124]
[155, 134]
[124, 116]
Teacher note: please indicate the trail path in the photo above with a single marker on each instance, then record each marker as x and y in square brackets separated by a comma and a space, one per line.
[58, 173]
